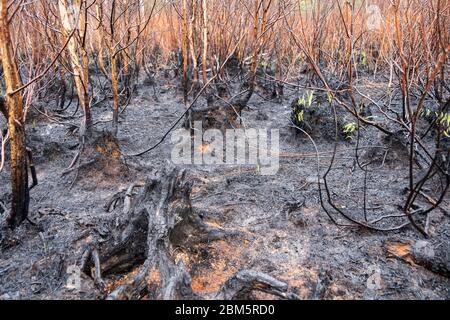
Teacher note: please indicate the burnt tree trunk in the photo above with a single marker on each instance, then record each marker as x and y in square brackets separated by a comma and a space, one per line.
[115, 90]
[3, 108]
[79, 65]
[113, 62]
[13, 111]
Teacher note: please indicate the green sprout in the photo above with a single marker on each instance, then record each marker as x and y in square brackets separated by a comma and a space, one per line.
[349, 129]
[298, 59]
[301, 101]
[310, 94]
[258, 169]
[300, 116]
[330, 97]
[426, 113]
[363, 58]
[444, 120]
[306, 101]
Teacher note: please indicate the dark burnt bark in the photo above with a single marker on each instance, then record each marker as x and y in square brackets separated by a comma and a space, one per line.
[3, 108]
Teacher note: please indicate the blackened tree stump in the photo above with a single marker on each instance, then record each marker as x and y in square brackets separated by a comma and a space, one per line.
[156, 222]
[221, 112]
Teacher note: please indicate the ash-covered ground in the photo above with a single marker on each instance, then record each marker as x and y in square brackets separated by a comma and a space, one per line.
[281, 228]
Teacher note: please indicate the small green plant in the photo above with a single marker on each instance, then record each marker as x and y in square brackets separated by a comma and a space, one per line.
[349, 129]
[306, 101]
[310, 95]
[298, 108]
[298, 111]
[428, 114]
[361, 57]
[298, 58]
[329, 97]
[300, 116]
[265, 63]
[258, 169]
[444, 121]
[301, 101]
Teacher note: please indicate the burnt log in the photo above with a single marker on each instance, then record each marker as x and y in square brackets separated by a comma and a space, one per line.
[432, 257]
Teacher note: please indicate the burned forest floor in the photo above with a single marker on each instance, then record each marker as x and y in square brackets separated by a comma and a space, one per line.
[276, 223]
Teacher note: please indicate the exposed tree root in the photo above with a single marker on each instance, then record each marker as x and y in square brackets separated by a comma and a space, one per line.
[241, 286]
